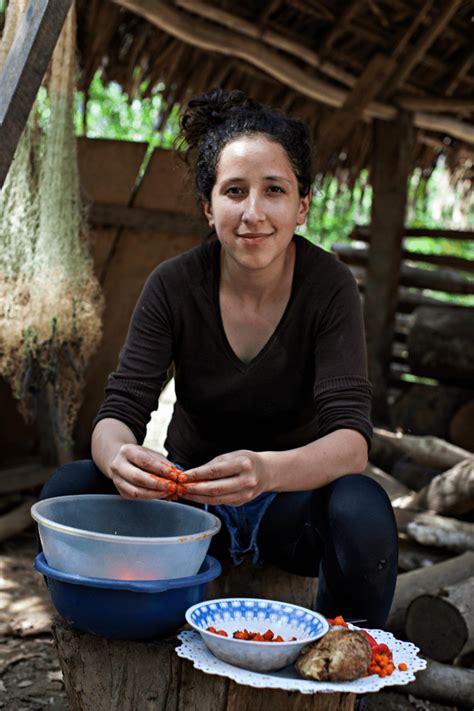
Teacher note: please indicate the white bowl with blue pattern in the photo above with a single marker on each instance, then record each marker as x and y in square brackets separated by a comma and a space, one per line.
[238, 613]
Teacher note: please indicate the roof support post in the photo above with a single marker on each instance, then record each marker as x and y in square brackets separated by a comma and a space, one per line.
[391, 167]
[24, 68]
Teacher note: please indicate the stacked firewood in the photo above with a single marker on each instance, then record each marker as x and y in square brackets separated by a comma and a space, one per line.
[19, 488]
[431, 486]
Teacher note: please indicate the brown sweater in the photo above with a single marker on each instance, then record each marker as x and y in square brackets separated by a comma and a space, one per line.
[308, 380]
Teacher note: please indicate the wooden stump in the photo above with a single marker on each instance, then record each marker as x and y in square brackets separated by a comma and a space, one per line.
[104, 675]
[442, 625]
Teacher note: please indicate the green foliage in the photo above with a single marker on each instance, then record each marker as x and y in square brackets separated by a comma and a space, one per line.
[110, 114]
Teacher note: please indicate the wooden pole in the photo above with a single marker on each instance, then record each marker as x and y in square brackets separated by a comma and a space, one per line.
[23, 71]
[393, 150]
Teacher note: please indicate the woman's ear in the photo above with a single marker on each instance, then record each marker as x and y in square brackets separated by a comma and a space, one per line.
[207, 209]
[305, 202]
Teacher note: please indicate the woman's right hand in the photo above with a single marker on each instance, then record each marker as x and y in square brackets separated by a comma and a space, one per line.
[141, 473]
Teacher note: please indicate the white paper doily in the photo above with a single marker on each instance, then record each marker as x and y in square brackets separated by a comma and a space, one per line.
[194, 649]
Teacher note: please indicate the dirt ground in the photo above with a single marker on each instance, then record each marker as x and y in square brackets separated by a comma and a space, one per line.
[30, 675]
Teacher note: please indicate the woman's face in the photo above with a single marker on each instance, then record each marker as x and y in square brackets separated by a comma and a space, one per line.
[255, 204]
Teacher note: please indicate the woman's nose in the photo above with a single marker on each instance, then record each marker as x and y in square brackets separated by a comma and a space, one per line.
[253, 209]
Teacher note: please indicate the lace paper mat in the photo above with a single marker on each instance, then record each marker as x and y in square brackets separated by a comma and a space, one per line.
[194, 649]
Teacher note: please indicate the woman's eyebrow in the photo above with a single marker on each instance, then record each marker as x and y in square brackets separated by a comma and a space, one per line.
[277, 177]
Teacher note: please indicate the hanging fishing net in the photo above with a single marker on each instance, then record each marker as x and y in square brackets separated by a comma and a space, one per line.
[50, 300]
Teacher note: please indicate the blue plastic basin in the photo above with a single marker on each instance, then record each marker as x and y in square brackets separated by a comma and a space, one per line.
[126, 609]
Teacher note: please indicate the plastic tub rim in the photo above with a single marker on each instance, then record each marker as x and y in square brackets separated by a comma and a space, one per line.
[140, 586]
[111, 537]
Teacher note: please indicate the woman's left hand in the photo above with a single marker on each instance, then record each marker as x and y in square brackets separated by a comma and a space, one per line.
[232, 479]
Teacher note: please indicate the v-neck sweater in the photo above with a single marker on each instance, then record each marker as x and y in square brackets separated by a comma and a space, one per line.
[309, 379]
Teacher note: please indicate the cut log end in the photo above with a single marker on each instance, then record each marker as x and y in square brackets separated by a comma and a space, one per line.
[436, 627]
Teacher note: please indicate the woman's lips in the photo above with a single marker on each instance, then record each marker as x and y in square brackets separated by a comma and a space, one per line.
[252, 235]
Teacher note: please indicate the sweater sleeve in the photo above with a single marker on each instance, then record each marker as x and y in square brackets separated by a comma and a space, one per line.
[342, 391]
[133, 390]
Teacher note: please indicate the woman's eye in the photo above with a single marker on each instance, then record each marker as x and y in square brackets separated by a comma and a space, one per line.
[276, 189]
[234, 190]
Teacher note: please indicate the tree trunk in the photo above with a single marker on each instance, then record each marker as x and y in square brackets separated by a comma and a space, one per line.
[413, 555]
[426, 581]
[452, 609]
[444, 683]
[449, 493]
[440, 344]
[428, 451]
[431, 530]
[16, 520]
[394, 489]
[425, 410]
[105, 675]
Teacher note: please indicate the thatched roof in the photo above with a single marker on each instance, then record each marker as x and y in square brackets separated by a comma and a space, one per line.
[339, 65]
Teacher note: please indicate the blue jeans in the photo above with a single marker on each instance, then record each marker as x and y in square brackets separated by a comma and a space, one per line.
[344, 533]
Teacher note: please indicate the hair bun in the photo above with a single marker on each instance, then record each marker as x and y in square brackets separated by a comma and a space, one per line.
[211, 109]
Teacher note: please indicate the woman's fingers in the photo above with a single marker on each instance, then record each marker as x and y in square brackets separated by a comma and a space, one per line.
[227, 465]
[147, 460]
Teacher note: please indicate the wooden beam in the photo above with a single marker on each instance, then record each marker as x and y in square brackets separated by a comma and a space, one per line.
[434, 122]
[392, 162]
[357, 255]
[435, 103]
[203, 35]
[336, 127]
[163, 222]
[24, 68]
[362, 233]
[420, 48]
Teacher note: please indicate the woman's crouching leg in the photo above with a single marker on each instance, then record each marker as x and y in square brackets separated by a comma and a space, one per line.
[74, 478]
[358, 571]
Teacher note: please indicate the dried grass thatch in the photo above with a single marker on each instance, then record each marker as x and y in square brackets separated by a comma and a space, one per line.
[337, 68]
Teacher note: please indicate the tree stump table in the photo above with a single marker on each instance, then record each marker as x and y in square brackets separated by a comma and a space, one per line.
[104, 675]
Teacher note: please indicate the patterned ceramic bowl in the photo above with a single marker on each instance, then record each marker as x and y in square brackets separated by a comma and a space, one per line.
[238, 613]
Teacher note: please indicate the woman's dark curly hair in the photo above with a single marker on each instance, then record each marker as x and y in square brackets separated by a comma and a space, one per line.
[212, 120]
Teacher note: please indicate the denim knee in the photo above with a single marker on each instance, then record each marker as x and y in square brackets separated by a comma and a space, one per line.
[361, 518]
[74, 478]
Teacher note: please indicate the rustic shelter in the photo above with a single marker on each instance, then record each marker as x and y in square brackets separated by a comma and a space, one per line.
[386, 86]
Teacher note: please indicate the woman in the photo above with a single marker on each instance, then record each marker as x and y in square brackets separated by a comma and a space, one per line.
[266, 337]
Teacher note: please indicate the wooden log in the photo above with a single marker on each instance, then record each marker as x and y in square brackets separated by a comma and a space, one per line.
[362, 233]
[430, 451]
[413, 556]
[359, 256]
[395, 489]
[442, 625]
[16, 520]
[23, 477]
[100, 675]
[432, 530]
[443, 683]
[461, 427]
[449, 493]
[425, 410]
[442, 279]
[426, 581]
[440, 344]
